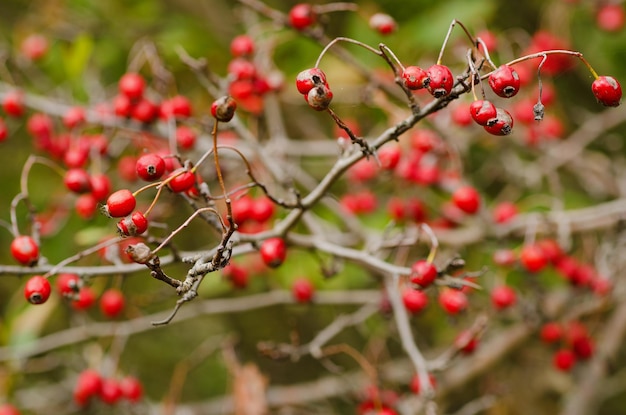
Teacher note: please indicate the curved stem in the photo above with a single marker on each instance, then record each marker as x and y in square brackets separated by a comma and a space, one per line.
[344, 39]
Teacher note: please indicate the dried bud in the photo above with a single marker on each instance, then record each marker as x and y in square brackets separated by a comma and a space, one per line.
[223, 109]
[139, 253]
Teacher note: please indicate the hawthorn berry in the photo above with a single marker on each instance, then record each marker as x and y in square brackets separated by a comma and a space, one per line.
[77, 180]
[88, 384]
[150, 167]
[611, 17]
[414, 300]
[504, 212]
[177, 106]
[133, 225]
[502, 124]
[40, 125]
[241, 69]
[181, 181]
[504, 81]
[423, 273]
[132, 85]
[441, 80]
[236, 274]
[242, 45]
[310, 78]
[144, 111]
[504, 257]
[564, 359]
[583, 347]
[120, 203]
[8, 409]
[86, 206]
[68, 284]
[85, 299]
[74, 117]
[37, 290]
[467, 199]
[382, 23]
[389, 157]
[34, 46]
[273, 252]
[319, 97]
[551, 332]
[110, 391]
[503, 297]
[483, 111]
[302, 290]
[262, 209]
[415, 77]
[533, 258]
[13, 103]
[452, 301]
[25, 250]
[131, 389]
[223, 109]
[122, 106]
[302, 16]
[185, 137]
[100, 186]
[112, 303]
[607, 91]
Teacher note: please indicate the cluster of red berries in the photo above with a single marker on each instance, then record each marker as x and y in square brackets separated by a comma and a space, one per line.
[252, 214]
[91, 385]
[573, 341]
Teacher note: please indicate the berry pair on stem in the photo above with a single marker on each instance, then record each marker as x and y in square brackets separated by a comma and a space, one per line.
[312, 84]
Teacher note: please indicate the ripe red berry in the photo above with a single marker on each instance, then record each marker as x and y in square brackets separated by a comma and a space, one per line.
[40, 125]
[502, 124]
[110, 391]
[262, 209]
[564, 359]
[504, 81]
[86, 299]
[177, 106]
[467, 199]
[181, 182]
[150, 167]
[504, 257]
[74, 117]
[583, 347]
[132, 85]
[68, 284]
[112, 303]
[309, 78]
[607, 91]
[503, 297]
[87, 385]
[37, 290]
[551, 249]
[483, 111]
[415, 77]
[611, 17]
[242, 45]
[34, 46]
[185, 137]
[144, 111]
[382, 23]
[77, 180]
[122, 106]
[302, 290]
[236, 274]
[301, 16]
[131, 389]
[551, 332]
[533, 258]
[133, 225]
[223, 109]
[100, 186]
[453, 301]
[423, 273]
[25, 250]
[120, 203]
[241, 69]
[13, 103]
[273, 252]
[441, 80]
[414, 300]
[86, 206]
[504, 212]
[319, 97]
[8, 409]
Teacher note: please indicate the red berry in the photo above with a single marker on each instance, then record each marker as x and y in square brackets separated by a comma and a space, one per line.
[185, 137]
[441, 80]
[25, 250]
[611, 17]
[389, 157]
[414, 300]
[150, 167]
[241, 69]
[319, 97]
[77, 180]
[423, 273]
[133, 225]
[551, 249]
[223, 109]
[502, 124]
[132, 85]
[503, 297]
[13, 103]
[236, 274]
[145, 111]
[382, 23]
[466, 342]
[177, 106]
[120, 203]
[122, 106]
[415, 77]
[533, 258]
[564, 359]
[607, 91]
[67, 284]
[262, 209]
[74, 117]
[100, 186]
[489, 39]
[131, 389]
[302, 290]
[301, 16]
[86, 299]
[504, 257]
[86, 206]
[112, 303]
[34, 47]
[467, 199]
[504, 81]
[551, 332]
[88, 384]
[242, 209]
[273, 252]
[483, 111]
[40, 125]
[37, 290]
[8, 409]
[181, 181]
[504, 212]
[309, 78]
[453, 301]
[110, 391]
[415, 383]
[242, 45]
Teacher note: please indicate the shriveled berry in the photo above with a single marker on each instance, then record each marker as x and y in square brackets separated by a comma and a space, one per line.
[301, 16]
[319, 97]
[309, 78]
[441, 80]
[423, 273]
[415, 77]
[483, 111]
[273, 252]
[25, 250]
[133, 225]
[120, 203]
[150, 167]
[504, 81]
[37, 290]
[607, 91]
[502, 124]
[223, 109]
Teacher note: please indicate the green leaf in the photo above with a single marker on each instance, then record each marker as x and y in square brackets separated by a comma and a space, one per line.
[77, 55]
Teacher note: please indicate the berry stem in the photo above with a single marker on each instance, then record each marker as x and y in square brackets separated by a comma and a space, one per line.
[486, 52]
[445, 40]
[220, 179]
[344, 39]
[335, 7]
[552, 52]
[361, 142]
[434, 242]
[30, 162]
[384, 50]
